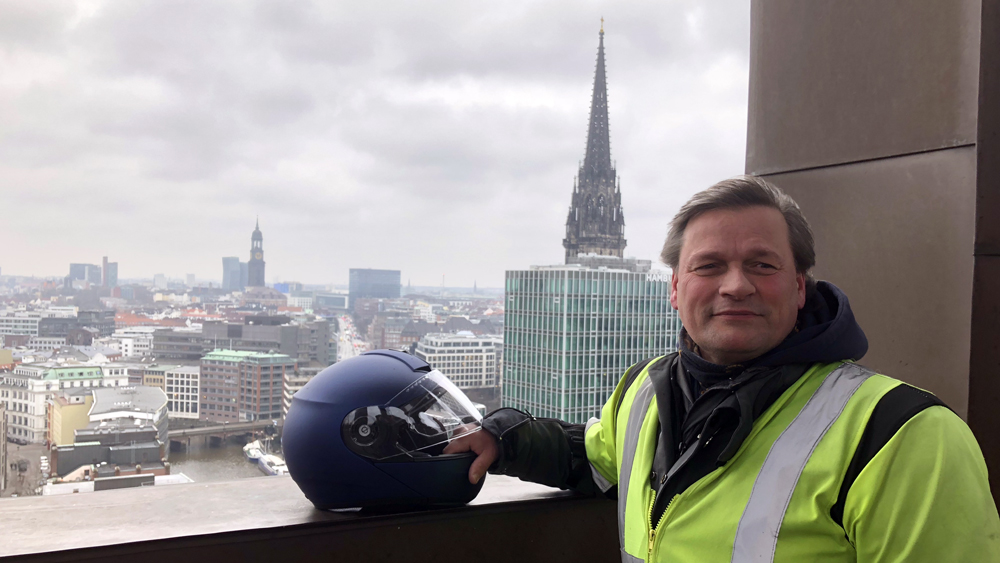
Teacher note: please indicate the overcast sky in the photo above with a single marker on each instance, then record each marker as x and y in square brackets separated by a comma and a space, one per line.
[440, 138]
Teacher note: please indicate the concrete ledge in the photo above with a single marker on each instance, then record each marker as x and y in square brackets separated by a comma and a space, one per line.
[268, 519]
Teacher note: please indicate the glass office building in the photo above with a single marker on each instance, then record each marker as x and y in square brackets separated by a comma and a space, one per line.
[367, 283]
[571, 332]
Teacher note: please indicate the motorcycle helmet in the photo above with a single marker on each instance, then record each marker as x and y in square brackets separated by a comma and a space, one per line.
[368, 432]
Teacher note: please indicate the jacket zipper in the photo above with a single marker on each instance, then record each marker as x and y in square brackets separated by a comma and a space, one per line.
[653, 527]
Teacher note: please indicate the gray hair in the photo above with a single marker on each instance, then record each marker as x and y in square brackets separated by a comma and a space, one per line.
[739, 193]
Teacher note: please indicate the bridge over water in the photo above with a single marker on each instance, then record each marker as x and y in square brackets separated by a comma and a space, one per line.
[222, 429]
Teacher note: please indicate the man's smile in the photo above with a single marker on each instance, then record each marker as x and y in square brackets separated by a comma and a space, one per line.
[736, 314]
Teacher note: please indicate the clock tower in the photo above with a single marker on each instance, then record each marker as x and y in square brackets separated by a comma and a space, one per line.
[255, 267]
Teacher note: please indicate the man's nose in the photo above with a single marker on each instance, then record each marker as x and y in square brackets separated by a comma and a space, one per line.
[736, 284]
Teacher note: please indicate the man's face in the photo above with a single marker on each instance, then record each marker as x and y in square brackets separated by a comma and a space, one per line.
[736, 287]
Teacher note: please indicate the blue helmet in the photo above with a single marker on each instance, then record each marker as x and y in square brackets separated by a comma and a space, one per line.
[369, 431]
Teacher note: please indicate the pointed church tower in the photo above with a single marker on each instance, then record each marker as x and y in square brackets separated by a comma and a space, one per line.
[595, 223]
[255, 267]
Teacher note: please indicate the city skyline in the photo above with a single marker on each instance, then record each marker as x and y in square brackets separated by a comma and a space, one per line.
[386, 148]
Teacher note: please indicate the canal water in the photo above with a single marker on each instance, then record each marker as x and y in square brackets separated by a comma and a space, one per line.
[205, 463]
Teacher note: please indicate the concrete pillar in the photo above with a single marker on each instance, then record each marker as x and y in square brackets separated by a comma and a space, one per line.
[881, 118]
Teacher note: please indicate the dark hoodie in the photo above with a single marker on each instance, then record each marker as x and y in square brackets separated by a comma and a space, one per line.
[709, 409]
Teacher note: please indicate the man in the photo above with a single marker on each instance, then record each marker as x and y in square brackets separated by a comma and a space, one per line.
[760, 440]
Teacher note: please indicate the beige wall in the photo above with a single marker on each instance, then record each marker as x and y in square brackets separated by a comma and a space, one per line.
[67, 418]
[154, 381]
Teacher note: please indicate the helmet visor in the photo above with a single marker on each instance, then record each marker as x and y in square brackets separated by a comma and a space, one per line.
[418, 422]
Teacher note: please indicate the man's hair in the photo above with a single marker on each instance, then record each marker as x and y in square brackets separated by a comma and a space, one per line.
[739, 193]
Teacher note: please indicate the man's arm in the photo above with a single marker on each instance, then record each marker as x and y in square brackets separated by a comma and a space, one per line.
[924, 497]
[581, 457]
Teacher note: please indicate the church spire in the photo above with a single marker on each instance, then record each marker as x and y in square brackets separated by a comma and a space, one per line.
[597, 160]
[596, 224]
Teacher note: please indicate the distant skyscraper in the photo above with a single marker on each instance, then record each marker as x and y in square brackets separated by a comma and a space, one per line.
[595, 224]
[110, 270]
[160, 281]
[373, 283]
[255, 267]
[77, 271]
[571, 331]
[89, 272]
[231, 273]
[190, 280]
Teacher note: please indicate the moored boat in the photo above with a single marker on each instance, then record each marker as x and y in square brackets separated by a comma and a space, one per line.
[253, 451]
[271, 464]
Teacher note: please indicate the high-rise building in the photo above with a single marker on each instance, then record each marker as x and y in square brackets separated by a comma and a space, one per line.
[231, 274]
[160, 281]
[572, 330]
[189, 280]
[109, 272]
[595, 224]
[255, 267]
[367, 283]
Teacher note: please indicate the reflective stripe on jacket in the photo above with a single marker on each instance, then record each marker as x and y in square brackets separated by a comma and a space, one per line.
[923, 497]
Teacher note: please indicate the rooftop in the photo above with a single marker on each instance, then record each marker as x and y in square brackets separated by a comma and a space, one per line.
[116, 426]
[463, 336]
[588, 262]
[235, 355]
[239, 356]
[132, 398]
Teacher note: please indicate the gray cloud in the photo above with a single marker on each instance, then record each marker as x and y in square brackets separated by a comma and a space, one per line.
[440, 138]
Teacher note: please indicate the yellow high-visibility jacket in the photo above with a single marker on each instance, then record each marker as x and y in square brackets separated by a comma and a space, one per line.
[924, 497]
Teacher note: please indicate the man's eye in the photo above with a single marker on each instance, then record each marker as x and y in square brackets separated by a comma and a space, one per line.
[705, 267]
[764, 266]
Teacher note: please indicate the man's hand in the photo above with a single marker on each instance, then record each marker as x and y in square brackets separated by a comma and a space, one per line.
[482, 443]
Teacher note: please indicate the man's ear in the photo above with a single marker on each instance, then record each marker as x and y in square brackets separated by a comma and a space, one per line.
[673, 291]
[800, 282]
